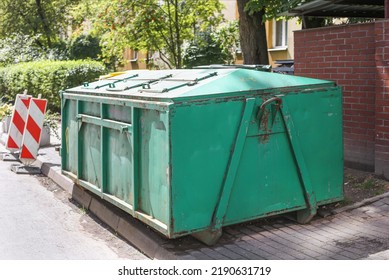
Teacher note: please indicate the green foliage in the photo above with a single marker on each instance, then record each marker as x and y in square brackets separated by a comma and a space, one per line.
[203, 51]
[52, 120]
[18, 48]
[5, 110]
[217, 47]
[47, 78]
[81, 13]
[227, 36]
[153, 25]
[23, 48]
[34, 17]
[272, 7]
[84, 47]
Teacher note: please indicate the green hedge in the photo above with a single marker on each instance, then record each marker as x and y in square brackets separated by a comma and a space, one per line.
[47, 78]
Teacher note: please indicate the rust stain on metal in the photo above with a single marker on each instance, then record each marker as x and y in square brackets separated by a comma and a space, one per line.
[264, 120]
[264, 125]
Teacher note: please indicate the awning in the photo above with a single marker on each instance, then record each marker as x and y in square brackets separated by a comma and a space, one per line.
[340, 8]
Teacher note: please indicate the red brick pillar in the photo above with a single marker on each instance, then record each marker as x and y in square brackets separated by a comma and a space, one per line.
[382, 97]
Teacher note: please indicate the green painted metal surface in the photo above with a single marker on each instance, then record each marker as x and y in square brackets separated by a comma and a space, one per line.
[190, 151]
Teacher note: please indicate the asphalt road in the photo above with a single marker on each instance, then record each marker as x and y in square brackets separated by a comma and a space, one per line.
[38, 221]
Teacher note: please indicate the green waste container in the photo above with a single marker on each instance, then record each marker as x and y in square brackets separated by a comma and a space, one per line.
[191, 151]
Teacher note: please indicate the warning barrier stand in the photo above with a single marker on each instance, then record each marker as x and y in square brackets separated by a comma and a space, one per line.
[33, 131]
[18, 122]
[25, 133]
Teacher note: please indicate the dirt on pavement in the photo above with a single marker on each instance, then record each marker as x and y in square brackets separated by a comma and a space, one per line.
[359, 185]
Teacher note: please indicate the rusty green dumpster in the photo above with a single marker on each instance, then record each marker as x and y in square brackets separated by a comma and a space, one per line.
[191, 151]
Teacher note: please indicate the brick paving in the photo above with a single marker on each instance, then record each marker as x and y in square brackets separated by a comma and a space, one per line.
[362, 233]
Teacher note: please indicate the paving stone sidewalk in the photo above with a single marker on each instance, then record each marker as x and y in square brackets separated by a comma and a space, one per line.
[361, 233]
[358, 234]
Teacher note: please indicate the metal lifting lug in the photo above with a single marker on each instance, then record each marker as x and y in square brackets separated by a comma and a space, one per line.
[124, 128]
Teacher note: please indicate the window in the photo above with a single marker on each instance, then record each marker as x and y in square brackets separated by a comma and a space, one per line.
[133, 55]
[280, 34]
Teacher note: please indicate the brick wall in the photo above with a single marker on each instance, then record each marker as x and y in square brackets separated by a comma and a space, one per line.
[382, 98]
[355, 57]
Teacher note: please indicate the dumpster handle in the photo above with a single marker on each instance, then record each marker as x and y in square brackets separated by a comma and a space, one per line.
[261, 110]
[273, 99]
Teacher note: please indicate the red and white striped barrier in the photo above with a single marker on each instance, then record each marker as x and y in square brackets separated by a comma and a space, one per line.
[18, 122]
[33, 130]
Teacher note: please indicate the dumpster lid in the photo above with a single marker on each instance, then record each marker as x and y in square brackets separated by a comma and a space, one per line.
[192, 83]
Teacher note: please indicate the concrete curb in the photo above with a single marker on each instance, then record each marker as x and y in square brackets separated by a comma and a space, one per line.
[360, 204]
[54, 173]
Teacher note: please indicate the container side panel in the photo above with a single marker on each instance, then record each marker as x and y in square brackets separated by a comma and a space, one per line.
[73, 154]
[119, 165]
[90, 108]
[317, 118]
[154, 165]
[119, 113]
[267, 180]
[90, 157]
[202, 139]
[70, 131]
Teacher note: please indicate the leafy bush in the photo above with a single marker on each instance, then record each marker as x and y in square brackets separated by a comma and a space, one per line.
[213, 46]
[85, 46]
[226, 36]
[47, 78]
[23, 48]
[203, 52]
[5, 110]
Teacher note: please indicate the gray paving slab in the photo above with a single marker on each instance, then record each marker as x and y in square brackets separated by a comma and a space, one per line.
[213, 254]
[39, 223]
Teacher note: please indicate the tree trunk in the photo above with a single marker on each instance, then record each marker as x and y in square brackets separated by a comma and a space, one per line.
[178, 35]
[43, 19]
[252, 35]
[171, 44]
